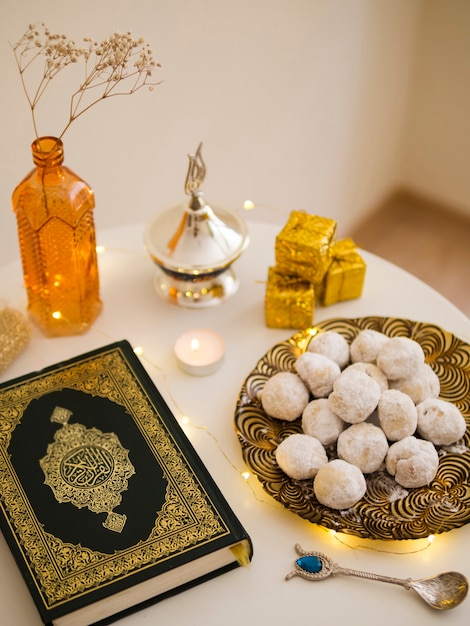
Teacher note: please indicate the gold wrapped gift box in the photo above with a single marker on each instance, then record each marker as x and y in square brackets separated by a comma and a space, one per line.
[310, 266]
[344, 279]
[289, 302]
[303, 246]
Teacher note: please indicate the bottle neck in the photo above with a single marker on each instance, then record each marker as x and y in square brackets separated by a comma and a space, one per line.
[47, 152]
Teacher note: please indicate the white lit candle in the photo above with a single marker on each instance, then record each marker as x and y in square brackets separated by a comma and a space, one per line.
[199, 352]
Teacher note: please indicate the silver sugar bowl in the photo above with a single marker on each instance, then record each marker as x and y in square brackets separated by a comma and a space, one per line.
[194, 246]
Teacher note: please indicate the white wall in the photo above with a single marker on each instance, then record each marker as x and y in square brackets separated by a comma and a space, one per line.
[436, 158]
[300, 104]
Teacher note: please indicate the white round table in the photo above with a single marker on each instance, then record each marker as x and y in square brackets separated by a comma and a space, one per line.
[257, 594]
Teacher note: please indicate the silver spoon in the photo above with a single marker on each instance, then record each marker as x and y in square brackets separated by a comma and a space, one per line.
[444, 591]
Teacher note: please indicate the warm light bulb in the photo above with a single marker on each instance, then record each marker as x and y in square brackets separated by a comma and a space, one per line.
[194, 344]
[100, 249]
[248, 205]
[246, 475]
[57, 315]
[139, 350]
[431, 538]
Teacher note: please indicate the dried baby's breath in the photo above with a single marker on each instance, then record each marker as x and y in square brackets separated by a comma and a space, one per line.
[119, 65]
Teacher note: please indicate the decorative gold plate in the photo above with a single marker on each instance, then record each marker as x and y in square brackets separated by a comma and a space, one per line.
[387, 511]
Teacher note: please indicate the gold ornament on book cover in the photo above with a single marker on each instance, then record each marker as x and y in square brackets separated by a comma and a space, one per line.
[87, 468]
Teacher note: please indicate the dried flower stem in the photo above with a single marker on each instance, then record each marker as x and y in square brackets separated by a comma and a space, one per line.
[119, 65]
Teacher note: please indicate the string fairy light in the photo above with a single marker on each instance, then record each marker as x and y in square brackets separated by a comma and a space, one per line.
[418, 545]
[249, 205]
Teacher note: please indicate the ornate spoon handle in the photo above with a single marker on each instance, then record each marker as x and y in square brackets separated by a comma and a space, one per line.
[444, 591]
[315, 566]
[403, 582]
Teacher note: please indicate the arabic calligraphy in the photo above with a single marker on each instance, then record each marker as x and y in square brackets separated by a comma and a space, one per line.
[88, 468]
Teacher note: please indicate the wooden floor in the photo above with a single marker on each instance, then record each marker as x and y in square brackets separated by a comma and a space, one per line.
[427, 240]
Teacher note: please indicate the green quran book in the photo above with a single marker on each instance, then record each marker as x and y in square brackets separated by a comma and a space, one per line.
[104, 502]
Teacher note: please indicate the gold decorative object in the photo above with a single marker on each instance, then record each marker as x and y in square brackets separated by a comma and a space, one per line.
[14, 335]
[386, 511]
[345, 276]
[194, 246]
[289, 301]
[327, 271]
[303, 246]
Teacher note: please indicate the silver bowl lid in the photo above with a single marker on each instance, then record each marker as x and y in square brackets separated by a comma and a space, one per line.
[195, 238]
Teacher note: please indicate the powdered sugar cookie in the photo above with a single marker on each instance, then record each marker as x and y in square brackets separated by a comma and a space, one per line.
[300, 456]
[373, 371]
[366, 345]
[440, 421]
[397, 414]
[284, 396]
[423, 384]
[364, 445]
[332, 345]
[355, 396]
[413, 462]
[400, 357]
[319, 421]
[339, 484]
[318, 372]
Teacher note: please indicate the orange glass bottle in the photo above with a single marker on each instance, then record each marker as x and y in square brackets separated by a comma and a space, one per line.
[54, 213]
